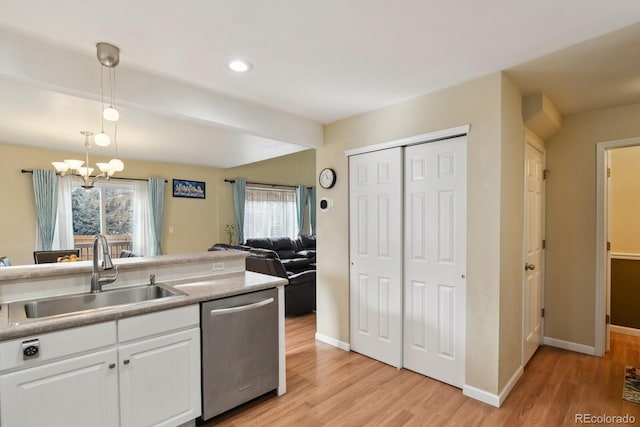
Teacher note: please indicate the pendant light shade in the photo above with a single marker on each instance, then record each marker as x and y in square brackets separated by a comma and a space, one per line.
[102, 139]
[111, 114]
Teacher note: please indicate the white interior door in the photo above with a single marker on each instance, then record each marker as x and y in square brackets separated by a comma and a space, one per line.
[375, 227]
[532, 285]
[435, 259]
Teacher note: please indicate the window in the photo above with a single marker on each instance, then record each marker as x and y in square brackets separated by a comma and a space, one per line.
[270, 212]
[105, 209]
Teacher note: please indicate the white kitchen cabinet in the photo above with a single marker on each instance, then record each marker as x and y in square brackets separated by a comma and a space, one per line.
[160, 380]
[79, 391]
[83, 376]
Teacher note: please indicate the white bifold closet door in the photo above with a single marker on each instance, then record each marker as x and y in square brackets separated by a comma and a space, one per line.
[435, 259]
[375, 217]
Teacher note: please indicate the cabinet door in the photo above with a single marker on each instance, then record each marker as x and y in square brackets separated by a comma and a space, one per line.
[80, 391]
[160, 380]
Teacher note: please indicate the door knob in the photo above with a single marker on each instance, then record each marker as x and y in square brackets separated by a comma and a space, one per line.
[528, 266]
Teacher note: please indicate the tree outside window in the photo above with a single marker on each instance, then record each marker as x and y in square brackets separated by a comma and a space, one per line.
[105, 209]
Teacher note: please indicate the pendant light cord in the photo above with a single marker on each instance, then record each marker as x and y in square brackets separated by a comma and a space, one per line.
[102, 95]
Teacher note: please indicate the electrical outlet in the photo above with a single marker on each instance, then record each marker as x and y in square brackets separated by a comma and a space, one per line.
[218, 266]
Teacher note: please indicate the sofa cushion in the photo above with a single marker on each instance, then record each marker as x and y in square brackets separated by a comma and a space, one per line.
[260, 242]
[284, 246]
[308, 242]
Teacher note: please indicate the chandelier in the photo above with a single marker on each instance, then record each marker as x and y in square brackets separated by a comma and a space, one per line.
[84, 172]
[109, 57]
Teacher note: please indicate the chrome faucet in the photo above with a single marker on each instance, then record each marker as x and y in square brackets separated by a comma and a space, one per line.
[96, 281]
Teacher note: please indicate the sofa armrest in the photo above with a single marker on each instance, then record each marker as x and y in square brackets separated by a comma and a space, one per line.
[302, 277]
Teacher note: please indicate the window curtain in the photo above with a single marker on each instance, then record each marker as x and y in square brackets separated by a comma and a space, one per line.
[239, 190]
[312, 211]
[155, 188]
[301, 201]
[141, 230]
[64, 225]
[270, 212]
[45, 188]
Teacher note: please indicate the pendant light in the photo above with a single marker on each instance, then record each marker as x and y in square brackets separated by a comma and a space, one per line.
[109, 57]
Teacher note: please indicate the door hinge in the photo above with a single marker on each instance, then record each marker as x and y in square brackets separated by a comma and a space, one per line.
[607, 319]
[544, 173]
[608, 172]
[542, 313]
[544, 244]
[608, 246]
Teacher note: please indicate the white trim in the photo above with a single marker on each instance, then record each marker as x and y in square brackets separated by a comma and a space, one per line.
[493, 399]
[571, 346]
[601, 235]
[533, 139]
[625, 330]
[412, 140]
[622, 255]
[332, 341]
[481, 395]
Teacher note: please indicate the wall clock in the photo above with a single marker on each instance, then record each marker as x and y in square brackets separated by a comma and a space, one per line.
[327, 178]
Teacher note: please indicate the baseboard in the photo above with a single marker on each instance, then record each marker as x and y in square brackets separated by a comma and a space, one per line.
[625, 330]
[481, 395]
[493, 399]
[334, 342]
[567, 345]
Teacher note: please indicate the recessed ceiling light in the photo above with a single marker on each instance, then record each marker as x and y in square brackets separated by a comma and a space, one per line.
[240, 66]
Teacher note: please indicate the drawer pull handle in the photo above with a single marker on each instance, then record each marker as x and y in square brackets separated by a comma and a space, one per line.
[241, 307]
[112, 365]
[126, 361]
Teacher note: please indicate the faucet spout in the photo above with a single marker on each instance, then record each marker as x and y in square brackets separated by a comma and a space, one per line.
[96, 280]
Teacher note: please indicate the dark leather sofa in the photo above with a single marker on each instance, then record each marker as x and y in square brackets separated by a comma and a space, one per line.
[296, 255]
[293, 260]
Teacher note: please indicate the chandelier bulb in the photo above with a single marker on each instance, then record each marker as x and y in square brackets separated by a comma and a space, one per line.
[111, 114]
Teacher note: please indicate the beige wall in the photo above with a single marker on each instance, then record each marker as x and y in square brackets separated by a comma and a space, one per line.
[511, 232]
[571, 219]
[479, 104]
[294, 169]
[195, 222]
[625, 200]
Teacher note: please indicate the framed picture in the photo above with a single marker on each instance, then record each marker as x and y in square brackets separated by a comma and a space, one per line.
[190, 189]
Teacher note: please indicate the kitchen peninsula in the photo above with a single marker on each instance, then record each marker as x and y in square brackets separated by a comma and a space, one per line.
[129, 364]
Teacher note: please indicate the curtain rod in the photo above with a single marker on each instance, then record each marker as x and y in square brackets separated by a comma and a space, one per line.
[113, 177]
[231, 181]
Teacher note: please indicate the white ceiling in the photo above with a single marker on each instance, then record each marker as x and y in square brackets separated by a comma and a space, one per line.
[314, 62]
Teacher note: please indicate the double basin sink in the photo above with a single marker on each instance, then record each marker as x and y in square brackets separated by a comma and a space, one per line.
[24, 311]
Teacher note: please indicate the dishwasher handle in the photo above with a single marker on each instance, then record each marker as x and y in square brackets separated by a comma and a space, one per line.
[229, 310]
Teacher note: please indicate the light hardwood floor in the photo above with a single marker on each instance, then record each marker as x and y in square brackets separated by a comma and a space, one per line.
[330, 387]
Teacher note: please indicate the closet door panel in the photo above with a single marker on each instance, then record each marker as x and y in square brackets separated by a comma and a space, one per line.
[434, 268]
[375, 224]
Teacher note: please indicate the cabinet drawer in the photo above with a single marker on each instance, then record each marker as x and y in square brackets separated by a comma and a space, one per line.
[57, 344]
[157, 323]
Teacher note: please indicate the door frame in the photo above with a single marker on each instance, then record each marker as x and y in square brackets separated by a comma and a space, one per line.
[536, 143]
[602, 236]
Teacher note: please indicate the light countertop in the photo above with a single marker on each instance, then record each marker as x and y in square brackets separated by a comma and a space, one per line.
[196, 290]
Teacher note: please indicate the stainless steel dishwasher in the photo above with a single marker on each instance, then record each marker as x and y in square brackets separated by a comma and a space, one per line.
[239, 350]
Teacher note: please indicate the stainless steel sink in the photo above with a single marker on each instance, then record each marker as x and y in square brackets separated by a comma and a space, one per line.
[21, 311]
